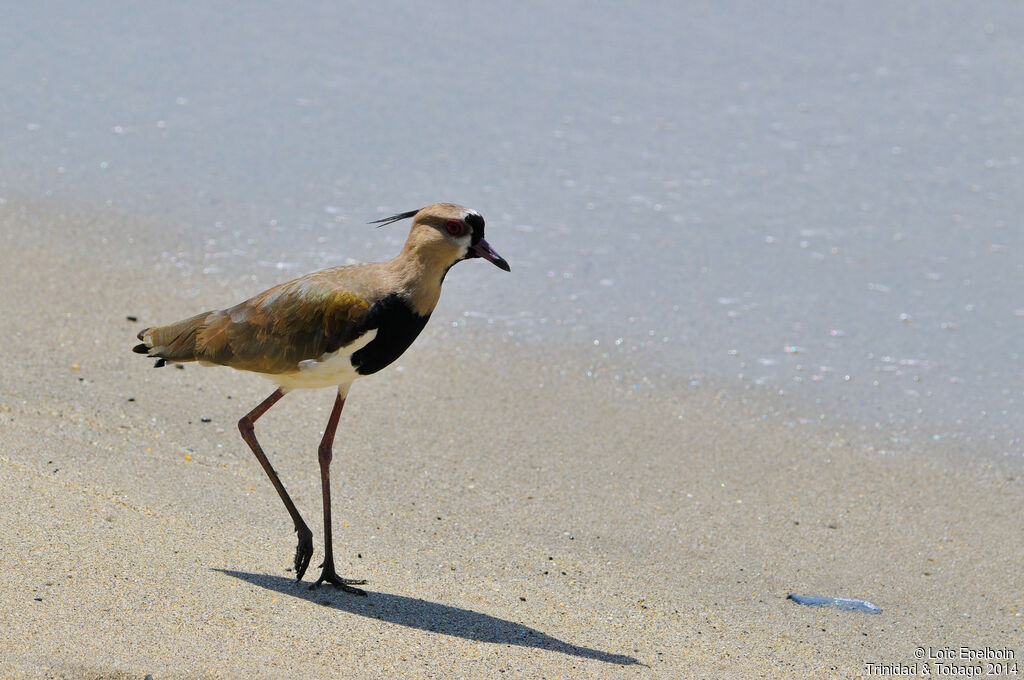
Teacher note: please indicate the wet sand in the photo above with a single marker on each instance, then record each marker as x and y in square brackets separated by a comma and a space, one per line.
[513, 518]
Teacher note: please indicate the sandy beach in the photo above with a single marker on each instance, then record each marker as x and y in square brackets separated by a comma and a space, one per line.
[513, 519]
[760, 337]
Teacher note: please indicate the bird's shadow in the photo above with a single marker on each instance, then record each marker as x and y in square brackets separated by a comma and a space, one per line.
[430, 616]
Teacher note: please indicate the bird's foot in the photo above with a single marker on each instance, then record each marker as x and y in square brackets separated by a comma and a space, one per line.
[328, 575]
[303, 551]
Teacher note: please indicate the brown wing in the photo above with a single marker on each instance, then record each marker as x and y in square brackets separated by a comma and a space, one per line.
[274, 331]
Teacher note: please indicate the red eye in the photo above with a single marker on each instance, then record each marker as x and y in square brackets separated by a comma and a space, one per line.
[455, 228]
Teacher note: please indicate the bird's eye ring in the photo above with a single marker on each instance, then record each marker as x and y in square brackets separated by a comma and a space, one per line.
[455, 228]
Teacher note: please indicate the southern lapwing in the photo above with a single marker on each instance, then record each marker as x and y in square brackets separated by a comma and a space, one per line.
[325, 330]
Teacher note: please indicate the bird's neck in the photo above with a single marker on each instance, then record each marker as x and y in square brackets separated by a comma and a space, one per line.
[418, 274]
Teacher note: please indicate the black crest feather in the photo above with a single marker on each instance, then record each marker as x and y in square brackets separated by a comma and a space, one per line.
[394, 218]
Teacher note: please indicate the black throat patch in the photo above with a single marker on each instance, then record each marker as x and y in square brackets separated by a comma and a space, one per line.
[397, 326]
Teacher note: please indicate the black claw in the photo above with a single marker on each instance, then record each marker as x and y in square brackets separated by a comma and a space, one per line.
[342, 584]
[303, 551]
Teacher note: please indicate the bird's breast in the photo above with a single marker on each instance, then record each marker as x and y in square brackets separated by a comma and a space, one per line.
[397, 325]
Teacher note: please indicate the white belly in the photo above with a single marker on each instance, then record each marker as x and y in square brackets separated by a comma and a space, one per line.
[330, 370]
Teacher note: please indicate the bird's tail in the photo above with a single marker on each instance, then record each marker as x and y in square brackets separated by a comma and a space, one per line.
[174, 342]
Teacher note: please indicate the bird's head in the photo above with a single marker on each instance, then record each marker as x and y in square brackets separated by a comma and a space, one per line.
[448, 233]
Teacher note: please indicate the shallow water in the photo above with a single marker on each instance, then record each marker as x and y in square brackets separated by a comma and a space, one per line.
[821, 203]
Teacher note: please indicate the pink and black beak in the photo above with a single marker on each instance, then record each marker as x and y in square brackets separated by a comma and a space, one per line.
[478, 246]
[483, 249]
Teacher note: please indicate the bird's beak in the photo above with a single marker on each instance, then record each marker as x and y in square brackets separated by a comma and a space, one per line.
[483, 249]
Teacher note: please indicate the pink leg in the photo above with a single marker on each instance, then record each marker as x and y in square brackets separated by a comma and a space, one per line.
[326, 454]
[304, 550]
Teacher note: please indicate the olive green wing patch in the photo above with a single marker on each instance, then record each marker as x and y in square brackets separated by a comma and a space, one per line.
[274, 331]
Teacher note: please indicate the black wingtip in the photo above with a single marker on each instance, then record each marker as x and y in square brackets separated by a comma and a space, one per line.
[159, 363]
[394, 218]
[141, 348]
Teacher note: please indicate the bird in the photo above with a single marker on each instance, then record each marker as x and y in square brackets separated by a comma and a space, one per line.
[327, 329]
